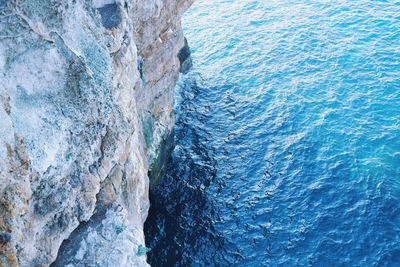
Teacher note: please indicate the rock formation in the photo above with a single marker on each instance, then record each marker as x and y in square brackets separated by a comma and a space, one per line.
[86, 97]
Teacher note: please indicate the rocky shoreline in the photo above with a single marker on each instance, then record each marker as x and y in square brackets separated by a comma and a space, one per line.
[86, 109]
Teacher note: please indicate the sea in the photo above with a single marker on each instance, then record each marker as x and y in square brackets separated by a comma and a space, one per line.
[287, 138]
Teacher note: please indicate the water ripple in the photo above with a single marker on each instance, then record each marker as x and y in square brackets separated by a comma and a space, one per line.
[287, 138]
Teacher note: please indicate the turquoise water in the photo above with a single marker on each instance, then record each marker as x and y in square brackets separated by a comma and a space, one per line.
[287, 138]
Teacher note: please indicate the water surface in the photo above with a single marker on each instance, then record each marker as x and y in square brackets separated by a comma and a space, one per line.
[287, 138]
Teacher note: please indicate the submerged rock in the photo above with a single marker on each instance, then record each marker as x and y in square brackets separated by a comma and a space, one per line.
[185, 58]
[79, 80]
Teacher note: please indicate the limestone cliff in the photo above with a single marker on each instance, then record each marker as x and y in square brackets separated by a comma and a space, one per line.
[86, 92]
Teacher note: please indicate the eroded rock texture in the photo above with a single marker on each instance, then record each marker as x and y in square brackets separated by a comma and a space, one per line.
[86, 98]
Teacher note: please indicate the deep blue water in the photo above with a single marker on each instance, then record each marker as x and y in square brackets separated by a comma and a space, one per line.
[287, 138]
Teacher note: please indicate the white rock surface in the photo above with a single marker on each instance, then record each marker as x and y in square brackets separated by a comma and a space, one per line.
[86, 97]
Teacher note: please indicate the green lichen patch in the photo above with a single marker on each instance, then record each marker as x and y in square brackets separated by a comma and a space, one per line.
[142, 250]
[147, 125]
[119, 229]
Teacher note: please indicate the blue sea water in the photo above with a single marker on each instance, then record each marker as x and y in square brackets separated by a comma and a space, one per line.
[287, 138]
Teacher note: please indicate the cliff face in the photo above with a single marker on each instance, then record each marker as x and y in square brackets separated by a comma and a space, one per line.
[86, 97]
